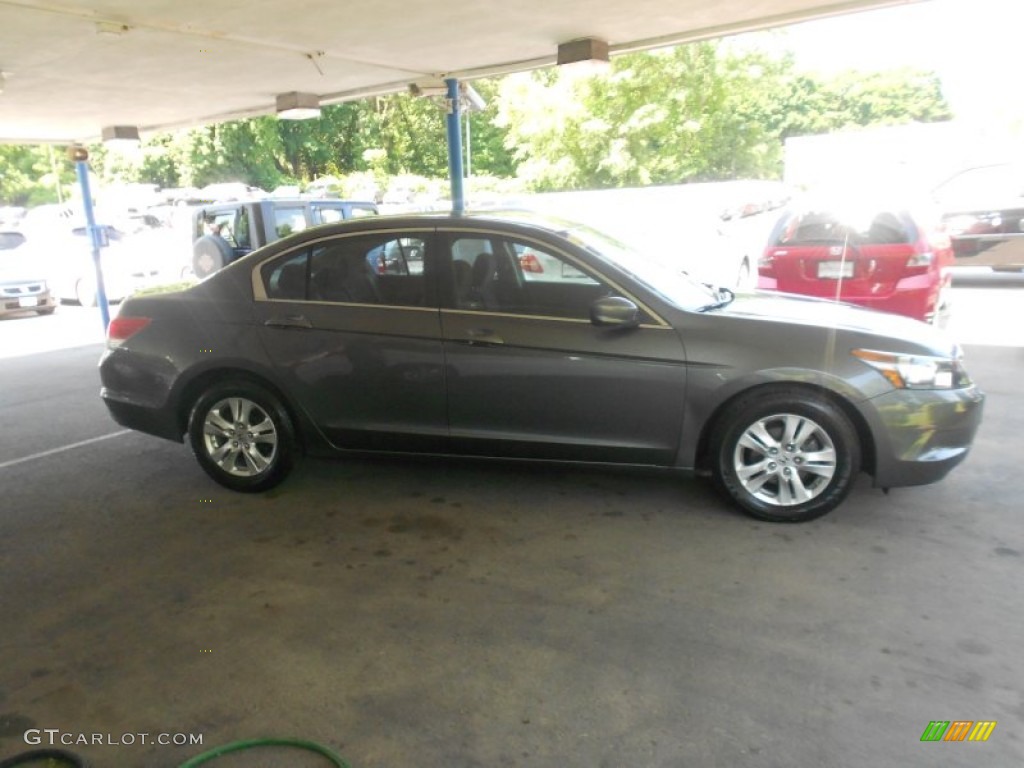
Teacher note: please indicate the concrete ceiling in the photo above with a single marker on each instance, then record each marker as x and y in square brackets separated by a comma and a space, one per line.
[71, 67]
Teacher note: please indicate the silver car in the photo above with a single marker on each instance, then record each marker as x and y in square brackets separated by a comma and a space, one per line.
[23, 285]
[303, 346]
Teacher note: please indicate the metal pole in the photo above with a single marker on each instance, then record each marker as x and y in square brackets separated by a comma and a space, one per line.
[82, 169]
[455, 145]
[469, 146]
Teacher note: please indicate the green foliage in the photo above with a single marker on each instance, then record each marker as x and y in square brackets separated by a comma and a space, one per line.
[702, 111]
[31, 175]
[693, 113]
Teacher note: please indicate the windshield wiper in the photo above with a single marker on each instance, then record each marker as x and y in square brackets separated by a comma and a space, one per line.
[723, 297]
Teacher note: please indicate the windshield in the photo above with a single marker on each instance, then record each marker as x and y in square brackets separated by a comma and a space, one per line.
[673, 286]
[10, 240]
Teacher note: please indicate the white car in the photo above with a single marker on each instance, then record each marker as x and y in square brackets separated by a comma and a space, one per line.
[23, 286]
[66, 256]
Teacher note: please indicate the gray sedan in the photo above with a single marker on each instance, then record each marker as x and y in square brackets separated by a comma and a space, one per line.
[303, 346]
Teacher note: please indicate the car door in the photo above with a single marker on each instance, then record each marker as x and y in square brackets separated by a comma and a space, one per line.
[361, 351]
[529, 374]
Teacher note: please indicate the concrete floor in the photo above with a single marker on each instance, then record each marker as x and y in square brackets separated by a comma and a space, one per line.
[446, 614]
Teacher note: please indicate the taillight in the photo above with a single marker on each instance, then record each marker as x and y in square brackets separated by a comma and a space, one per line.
[530, 263]
[123, 328]
[921, 260]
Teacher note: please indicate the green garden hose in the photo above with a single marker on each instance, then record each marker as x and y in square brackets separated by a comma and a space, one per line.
[238, 746]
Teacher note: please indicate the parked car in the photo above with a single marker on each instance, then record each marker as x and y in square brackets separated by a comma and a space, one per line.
[58, 242]
[885, 258]
[227, 231]
[23, 285]
[128, 264]
[983, 209]
[302, 346]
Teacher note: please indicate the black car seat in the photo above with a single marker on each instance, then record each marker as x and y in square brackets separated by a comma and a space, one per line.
[481, 292]
[463, 278]
[291, 283]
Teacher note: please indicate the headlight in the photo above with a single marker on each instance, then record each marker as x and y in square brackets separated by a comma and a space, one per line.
[917, 371]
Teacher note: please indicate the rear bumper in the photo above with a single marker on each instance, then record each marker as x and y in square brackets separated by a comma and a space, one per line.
[142, 418]
[916, 296]
[920, 435]
[137, 396]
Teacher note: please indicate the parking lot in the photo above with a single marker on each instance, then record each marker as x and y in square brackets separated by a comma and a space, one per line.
[471, 614]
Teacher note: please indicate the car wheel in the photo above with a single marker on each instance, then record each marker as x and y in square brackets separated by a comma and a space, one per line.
[785, 455]
[242, 436]
[209, 254]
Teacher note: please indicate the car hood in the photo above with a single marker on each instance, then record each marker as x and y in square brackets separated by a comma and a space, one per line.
[826, 314]
[20, 266]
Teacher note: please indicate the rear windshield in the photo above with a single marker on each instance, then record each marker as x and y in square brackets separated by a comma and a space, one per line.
[830, 227]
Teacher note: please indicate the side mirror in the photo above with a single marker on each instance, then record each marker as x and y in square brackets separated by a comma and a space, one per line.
[615, 312]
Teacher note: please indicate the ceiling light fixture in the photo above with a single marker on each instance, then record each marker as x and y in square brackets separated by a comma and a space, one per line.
[585, 54]
[428, 88]
[121, 136]
[298, 106]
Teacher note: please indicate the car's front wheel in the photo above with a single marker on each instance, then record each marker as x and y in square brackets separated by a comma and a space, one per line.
[242, 436]
[785, 455]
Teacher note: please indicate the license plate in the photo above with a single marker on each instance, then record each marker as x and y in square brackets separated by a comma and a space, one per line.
[834, 270]
[28, 301]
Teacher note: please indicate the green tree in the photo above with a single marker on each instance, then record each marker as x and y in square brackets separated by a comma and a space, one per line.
[33, 175]
[658, 117]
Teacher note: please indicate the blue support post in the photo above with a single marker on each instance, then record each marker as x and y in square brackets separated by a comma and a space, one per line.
[82, 169]
[455, 146]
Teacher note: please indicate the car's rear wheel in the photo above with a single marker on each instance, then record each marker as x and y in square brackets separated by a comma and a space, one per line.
[785, 455]
[242, 436]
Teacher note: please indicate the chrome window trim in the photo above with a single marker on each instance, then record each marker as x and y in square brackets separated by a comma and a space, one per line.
[317, 302]
[585, 268]
[546, 318]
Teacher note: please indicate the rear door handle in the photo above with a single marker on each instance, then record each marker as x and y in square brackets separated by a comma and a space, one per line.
[289, 321]
[483, 336]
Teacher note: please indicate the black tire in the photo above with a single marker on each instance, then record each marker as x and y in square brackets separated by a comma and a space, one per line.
[243, 409]
[782, 481]
[210, 253]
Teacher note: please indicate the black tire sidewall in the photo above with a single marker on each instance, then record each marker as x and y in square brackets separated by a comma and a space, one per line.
[822, 411]
[285, 456]
[217, 248]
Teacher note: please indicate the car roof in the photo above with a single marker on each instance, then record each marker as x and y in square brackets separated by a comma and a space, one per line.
[286, 200]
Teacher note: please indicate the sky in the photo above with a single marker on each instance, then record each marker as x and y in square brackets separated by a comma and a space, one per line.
[973, 45]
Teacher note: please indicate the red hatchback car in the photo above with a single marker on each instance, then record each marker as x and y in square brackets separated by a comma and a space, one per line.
[885, 259]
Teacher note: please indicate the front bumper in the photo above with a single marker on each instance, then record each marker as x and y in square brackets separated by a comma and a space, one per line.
[27, 302]
[920, 435]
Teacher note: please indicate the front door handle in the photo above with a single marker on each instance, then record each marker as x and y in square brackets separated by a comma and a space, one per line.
[288, 321]
[483, 336]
